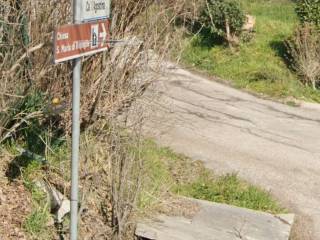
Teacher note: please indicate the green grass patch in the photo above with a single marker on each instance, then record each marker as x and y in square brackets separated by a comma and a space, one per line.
[231, 190]
[166, 171]
[36, 224]
[259, 65]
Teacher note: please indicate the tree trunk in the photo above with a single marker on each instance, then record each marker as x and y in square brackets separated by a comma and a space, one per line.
[228, 36]
[314, 85]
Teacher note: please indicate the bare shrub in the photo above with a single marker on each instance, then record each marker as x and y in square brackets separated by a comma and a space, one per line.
[25, 54]
[304, 49]
[26, 57]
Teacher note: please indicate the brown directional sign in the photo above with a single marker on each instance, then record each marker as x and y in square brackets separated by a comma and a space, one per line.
[77, 40]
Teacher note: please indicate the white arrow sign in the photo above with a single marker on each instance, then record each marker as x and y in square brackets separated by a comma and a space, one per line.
[92, 10]
[103, 34]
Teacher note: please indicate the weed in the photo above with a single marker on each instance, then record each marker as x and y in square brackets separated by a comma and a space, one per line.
[263, 75]
[157, 179]
[36, 224]
[292, 103]
[230, 189]
[31, 173]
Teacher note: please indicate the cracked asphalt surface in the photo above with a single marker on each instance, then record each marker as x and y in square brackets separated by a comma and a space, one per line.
[267, 143]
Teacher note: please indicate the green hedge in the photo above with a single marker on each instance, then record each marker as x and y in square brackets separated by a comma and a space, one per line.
[216, 12]
[309, 11]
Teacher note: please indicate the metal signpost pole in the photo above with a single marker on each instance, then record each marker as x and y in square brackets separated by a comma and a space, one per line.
[75, 132]
[88, 35]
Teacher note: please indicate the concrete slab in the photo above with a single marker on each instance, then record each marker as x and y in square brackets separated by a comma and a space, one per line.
[218, 222]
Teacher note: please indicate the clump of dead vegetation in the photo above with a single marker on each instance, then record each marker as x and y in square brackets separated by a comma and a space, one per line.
[111, 83]
[304, 50]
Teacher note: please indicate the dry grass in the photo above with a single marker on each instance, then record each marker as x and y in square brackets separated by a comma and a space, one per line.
[109, 81]
[305, 52]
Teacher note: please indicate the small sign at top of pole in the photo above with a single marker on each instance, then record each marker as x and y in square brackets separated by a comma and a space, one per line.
[92, 10]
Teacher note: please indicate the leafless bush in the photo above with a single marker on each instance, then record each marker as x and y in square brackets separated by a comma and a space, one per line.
[26, 55]
[304, 49]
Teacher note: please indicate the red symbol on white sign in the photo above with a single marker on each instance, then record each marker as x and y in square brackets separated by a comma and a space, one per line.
[77, 40]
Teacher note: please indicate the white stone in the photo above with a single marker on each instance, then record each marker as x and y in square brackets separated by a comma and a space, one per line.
[249, 24]
[57, 200]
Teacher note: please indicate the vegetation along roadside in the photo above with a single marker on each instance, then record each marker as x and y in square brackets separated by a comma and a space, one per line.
[261, 62]
[164, 175]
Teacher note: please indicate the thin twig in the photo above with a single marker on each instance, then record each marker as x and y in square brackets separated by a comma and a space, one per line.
[30, 50]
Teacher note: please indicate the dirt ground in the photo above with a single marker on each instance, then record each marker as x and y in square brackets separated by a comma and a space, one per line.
[15, 205]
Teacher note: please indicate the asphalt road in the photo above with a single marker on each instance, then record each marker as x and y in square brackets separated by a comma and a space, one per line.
[267, 143]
